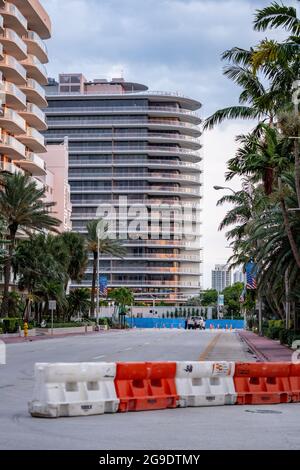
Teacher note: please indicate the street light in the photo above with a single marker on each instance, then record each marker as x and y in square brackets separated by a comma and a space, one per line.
[217, 188]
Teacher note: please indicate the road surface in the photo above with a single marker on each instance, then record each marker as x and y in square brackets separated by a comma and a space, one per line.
[227, 427]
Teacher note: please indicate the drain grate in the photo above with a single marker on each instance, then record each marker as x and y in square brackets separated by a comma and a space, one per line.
[270, 412]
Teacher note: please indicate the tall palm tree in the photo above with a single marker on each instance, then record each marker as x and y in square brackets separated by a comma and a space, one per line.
[23, 209]
[107, 245]
[123, 298]
[77, 255]
[78, 302]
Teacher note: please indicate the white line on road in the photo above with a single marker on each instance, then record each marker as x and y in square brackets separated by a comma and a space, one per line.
[99, 357]
[127, 349]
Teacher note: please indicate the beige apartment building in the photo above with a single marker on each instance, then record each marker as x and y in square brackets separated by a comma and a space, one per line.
[24, 25]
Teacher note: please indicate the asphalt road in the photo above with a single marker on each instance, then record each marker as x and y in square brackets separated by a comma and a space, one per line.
[227, 427]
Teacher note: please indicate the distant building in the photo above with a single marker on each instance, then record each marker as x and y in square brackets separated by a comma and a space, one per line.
[238, 276]
[221, 277]
[57, 185]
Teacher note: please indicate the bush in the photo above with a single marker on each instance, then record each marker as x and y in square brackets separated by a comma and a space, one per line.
[273, 332]
[11, 325]
[70, 324]
[289, 336]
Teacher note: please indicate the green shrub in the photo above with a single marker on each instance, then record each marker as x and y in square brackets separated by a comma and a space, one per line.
[289, 336]
[273, 332]
[11, 325]
[276, 324]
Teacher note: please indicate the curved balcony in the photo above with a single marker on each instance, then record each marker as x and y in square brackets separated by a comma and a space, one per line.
[149, 270]
[33, 164]
[158, 283]
[188, 154]
[34, 117]
[38, 18]
[12, 122]
[9, 167]
[12, 70]
[36, 46]
[13, 44]
[33, 140]
[81, 176]
[188, 128]
[158, 257]
[14, 97]
[13, 18]
[187, 141]
[138, 189]
[35, 69]
[136, 162]
[35, 93]
[1, 18]
[12, 148]
[166, 111]
[155, 203]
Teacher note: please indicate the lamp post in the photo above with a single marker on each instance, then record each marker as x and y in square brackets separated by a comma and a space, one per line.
[217, 188]
[98, 277]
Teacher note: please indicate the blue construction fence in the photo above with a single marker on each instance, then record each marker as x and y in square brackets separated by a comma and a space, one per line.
[180, 323]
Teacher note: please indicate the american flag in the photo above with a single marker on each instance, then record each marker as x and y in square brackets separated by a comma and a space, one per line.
[251, 275]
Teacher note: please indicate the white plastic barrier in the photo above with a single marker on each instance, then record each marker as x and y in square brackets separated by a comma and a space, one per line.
[75, 389]
[205, 383]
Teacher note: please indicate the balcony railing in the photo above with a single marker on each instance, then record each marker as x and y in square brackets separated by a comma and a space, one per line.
[117, 122]
[151, 189]
[121, 136]
[125, 109]
[16, 98]
[142, 149]
[34, 116]
[36, 46]
[13, 70]
[35, 92]
[135, 162]
[14, 18]
[12, 147]
[12, 122]
[146, 176]
[36, 69]
[11, 168]
[13, 44]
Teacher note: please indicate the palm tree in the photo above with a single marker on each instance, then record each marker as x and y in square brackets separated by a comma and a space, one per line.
[123, 298]
[23, 209]
[77, 255]
[79, 302]
[107, 245]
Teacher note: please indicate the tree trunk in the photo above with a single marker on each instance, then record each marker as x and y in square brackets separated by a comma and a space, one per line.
[93, 291]
[288, 228]
[297, 169]
[7, 272]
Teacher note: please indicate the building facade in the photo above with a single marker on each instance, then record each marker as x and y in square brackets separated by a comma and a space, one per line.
[57, 184]
[24, 25]
[221, 277]
[132, 147]
[238, 276]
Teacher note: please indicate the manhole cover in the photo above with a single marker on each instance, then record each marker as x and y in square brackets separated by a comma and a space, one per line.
[270, 412]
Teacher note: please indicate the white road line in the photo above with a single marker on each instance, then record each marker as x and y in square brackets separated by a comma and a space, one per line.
[127, 349]
[99, 357]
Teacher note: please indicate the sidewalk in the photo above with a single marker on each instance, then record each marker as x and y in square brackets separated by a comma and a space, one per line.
[21, 339]
[266, 349]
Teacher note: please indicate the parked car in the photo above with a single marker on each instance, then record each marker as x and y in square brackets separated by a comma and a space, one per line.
[199, 323]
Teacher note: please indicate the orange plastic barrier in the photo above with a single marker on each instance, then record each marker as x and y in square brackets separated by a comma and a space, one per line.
[295, 382]
[261, 383]
[146, 386]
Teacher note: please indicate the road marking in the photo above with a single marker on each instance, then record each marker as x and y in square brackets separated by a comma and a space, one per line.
[209, 347]
[146, 344]
[99, 357]
[127, 349]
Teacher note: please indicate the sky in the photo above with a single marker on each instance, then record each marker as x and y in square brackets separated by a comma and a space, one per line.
[169, 45]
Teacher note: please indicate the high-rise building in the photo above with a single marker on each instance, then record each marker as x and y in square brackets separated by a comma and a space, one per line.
[57, 184]
[221, 277]
[24, 24]
[143, 146]
[238, 276]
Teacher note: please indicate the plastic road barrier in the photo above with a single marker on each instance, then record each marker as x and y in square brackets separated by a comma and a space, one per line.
[205, 383]
[295, 382]
[146, 386]
[261, 383]
[74, 390]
